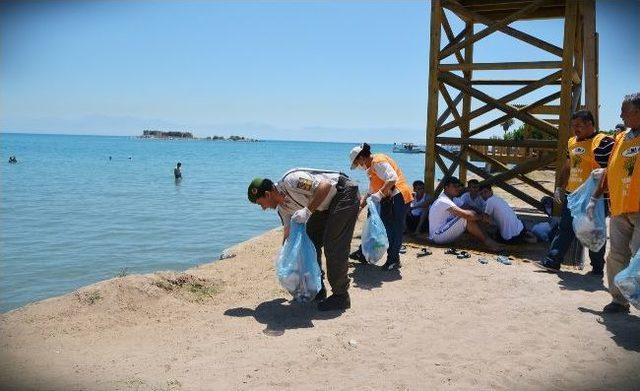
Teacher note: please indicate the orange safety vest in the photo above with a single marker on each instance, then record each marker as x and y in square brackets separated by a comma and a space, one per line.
[623, 175]
[583, 160]
[376, 183]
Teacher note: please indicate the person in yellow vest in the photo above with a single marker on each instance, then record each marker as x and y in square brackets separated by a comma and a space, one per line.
[622, 179]
[587, 150]
[387, 185]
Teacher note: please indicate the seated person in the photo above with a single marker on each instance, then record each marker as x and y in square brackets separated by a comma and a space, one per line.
[418, 207]
[471, 199]
[447, 221]
[510, 228]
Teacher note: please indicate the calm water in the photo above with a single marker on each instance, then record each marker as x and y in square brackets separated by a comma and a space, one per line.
[70, 216]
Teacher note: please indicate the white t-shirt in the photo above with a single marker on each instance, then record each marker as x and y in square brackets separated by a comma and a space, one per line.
[506, 219]
[465, 201]
[299, 185]
[439, 213]
[421, 202]
[385, 172]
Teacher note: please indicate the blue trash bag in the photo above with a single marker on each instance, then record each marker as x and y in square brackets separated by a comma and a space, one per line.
[591, 233]
[374, 236]
[628, 281]
[297, 266]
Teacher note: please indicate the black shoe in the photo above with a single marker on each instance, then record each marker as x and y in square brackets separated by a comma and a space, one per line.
[358, 256]
[390, 265]
[615, 308]
[549, 265]
[322, 294]
[335, 303]
[596, 273]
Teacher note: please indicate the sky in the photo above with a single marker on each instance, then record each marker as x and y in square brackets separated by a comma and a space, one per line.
[314, 71]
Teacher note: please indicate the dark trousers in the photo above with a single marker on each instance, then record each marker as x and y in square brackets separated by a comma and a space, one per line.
[332, 229]
[412, 223]
[562, 241]
[393, 212]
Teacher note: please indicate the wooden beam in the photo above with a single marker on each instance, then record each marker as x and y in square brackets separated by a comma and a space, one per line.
[469, 15]
[443, 117]
[465, 126]
[547, 144]
[452, 39]
[499, 66]
[507, 98]
[512, 190]
[522, 177]
[432, 97]
[440, 162]
[484, 82]
[571, 13]
[590, 59]
[546, 109]
[458, 82]
[525, 109]
[447, 174]
[449, 101]
[492, 28]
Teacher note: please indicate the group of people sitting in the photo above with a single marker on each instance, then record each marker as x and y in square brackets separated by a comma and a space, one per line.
[459, 209]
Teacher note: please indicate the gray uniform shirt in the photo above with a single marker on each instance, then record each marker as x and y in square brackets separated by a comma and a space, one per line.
[298, 186]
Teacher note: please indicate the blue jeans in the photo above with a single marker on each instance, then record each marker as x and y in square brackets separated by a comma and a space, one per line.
[393, 212]
[562, 241]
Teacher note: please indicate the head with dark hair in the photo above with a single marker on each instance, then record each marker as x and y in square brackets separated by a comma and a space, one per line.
[451, 186]
[472, 187]
[418, 188]
[360, 156]
[620, 127]
[258, 192]
[485, 191]
[582, 123]
[418, 183]
[630, 111]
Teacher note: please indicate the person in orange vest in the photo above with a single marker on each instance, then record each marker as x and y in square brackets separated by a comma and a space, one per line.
[587, 150]
[389, 187]
[622, 179]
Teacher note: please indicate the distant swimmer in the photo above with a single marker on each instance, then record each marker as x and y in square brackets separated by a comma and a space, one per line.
[109, 157]
[176, 171]
[129, 157]
[12, 159]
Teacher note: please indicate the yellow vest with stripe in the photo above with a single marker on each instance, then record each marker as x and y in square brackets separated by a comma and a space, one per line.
[376, 182]
[582, 158]
[623, 175]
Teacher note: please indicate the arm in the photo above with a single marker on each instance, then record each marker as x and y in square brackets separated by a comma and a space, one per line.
[465, 214]
[285, 234]
[564, 174]
[319, 195]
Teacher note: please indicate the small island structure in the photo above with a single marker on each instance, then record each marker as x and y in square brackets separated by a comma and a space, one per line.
[173, 135]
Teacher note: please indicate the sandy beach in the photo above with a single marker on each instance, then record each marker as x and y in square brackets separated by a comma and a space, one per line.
[438, 323]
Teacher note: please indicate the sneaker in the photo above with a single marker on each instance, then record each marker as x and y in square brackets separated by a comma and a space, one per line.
[549, 265]
[615, 308]
[335, 303]
[358, 256]
[390, 265]
[322, 294]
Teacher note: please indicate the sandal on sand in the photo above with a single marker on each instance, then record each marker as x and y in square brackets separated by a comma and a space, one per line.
[463, 255]
[423, 253]
[483, 261]
[503, 260]
[403, 249]
[452, 251]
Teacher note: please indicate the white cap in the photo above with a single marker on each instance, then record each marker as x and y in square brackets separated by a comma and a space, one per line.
[355, 151]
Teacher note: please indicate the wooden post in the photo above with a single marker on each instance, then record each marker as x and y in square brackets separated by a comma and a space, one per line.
[432, 100]
[590, 58]
[465, 126]
[566, 87]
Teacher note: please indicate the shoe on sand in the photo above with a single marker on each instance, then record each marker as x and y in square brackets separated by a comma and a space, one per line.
[549, 265]
[335, 303]
[615, 308]
[390, 265]
[358, 256]
[322, 294]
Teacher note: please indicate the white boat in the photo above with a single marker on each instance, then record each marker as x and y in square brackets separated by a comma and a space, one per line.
[408, 148]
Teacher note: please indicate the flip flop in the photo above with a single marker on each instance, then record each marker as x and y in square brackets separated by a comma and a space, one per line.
[403, 249]
[452, 251]
[423, 253]
[503, 260]
[483, 261]
[463, 255]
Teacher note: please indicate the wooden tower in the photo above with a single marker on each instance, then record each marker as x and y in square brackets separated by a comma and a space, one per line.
[450, 136]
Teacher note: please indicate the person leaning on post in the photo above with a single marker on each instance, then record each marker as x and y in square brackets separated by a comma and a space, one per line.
[328, 203]
[587, 151]
[622, 179]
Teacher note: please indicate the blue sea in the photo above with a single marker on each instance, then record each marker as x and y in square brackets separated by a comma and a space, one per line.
[70, 216]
